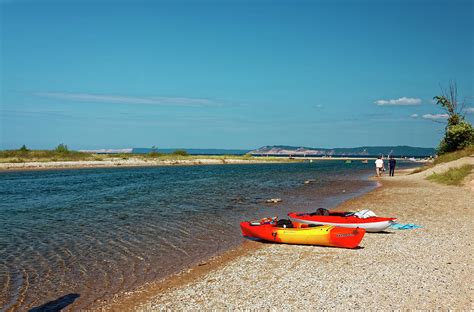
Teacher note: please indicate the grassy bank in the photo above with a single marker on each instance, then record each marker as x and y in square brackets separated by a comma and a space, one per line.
[468, 151]
[453, 176]
[454, 155]
[18, 156]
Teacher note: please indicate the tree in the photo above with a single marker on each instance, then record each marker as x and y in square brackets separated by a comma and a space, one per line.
[62, 148]
[459, 133]
[23, 148]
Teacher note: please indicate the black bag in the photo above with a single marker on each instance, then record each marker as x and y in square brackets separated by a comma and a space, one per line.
[284, 223]
[320, 212]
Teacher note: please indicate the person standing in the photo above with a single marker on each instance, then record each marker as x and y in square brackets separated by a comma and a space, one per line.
[391, 165]
[378, 166]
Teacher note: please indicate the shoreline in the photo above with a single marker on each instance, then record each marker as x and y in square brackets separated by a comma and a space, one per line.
[136, 269]
[135, 298]
[425, 268]
[137, 162]
[126, 163]
[129, 300]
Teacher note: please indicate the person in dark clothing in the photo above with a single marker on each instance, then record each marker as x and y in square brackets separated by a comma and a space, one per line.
[391, 164]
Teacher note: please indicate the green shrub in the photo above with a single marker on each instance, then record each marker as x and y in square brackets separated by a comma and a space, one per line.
[453, 176]
[154, 154]
[459, 133]
[458, 136]
[180, 153]
[62, 148]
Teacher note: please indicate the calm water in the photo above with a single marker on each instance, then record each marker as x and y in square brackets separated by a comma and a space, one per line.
[96, 232]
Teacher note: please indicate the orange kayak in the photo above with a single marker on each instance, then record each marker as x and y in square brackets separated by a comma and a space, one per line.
[302, 234]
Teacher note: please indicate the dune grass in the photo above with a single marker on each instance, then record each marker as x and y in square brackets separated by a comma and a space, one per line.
[17, 156]
[468, 151]
[422, 168]
[453, 176]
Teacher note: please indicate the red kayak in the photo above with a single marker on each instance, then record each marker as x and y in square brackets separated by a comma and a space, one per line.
[287, 232]
[342, 219]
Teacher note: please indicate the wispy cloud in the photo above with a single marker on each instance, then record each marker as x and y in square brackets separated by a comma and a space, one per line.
[435, 116]
[36, 113]
[414, 115]
[403, 101]
[120, 99]
[469, 110]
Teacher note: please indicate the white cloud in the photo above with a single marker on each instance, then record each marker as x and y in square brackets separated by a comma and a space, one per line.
[469, 110]
[414, 115]
[403, 101]
[119, 99]
[435, 116]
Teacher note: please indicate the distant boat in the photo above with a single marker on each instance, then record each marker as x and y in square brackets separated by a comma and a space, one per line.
[365, 161]
[348, 161]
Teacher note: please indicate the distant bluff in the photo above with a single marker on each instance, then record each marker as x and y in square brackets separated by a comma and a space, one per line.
[398, 151]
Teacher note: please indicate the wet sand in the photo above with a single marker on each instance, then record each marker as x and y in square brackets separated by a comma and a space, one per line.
[427, 268]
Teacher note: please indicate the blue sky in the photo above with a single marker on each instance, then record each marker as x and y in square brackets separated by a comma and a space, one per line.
[230, 74]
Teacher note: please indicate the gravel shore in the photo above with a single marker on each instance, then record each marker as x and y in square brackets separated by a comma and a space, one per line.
[427, 268]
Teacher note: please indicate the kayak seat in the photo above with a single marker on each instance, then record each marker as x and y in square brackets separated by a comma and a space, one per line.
[284, 223]
[320, 212]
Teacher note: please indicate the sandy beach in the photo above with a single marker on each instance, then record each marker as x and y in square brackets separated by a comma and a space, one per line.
[131, 162]
[426, 268]
[141, 162]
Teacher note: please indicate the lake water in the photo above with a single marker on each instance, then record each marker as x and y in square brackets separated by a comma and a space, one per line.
[97, 232]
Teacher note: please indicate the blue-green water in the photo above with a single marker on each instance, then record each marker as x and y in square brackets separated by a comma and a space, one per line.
[97, 232]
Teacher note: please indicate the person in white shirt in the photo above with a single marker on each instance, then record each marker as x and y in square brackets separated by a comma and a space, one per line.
[379, 166]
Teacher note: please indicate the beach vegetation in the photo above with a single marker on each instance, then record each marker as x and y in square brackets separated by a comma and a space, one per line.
[62, 148]
[447, 157]
[23, 148]
[459, 133]
[180, 153]
[420, 169]
[154, 152]
[63, 153]
[454, 176]
[118, 155]
[247, 156]
[60, 153]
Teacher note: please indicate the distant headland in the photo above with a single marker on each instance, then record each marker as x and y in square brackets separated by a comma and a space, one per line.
[396, 151]
[286, 150]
